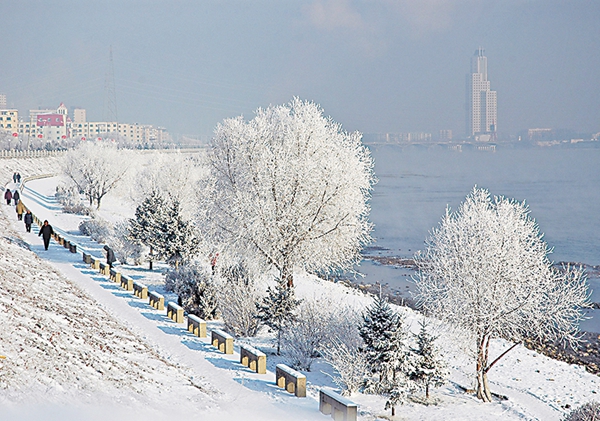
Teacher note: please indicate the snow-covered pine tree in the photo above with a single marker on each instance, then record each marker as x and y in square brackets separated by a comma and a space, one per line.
[429, 368]
[150, 215]
[277, 309]
[197, 291]
[178, 241]
[396, 366]
[379, 324]
[387, 352]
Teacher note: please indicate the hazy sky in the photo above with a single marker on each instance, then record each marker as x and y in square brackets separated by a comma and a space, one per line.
[374, 66]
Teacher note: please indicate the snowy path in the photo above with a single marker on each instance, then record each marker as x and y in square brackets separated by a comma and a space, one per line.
[242, 393]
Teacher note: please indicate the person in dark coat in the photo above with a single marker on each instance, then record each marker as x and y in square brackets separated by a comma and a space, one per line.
[16, 196]
[28, 219]
[8, 196]
[18, 177]
[110, 256]
[14, 177]
[46, 232]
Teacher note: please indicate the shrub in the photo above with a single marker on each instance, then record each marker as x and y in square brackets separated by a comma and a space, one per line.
[317, 325]
[197, 290]
[237, 303]
[70, 200]
[586, 412]
[126, 250]
[98, 229]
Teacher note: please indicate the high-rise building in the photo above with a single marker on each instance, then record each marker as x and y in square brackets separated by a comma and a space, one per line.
[481, 101]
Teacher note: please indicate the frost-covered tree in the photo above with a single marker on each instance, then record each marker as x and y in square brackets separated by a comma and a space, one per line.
[276, 310]
[486, 271]
[95, 168]
[318, 323]
[429, 368]
[172, 175]
[350, 364]
[289, 189]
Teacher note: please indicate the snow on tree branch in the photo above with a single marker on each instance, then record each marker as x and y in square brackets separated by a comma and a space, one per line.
[486, 270]
[289, 188]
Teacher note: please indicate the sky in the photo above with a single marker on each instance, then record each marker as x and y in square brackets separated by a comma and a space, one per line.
[375, 66]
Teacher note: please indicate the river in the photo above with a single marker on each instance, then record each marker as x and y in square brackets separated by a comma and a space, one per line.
[561, 185]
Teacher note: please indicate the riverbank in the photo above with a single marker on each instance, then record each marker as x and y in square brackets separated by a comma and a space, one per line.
[586, 353]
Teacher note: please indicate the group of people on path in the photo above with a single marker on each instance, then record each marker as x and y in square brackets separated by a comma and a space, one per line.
[19, 206]
[10, 196]
[46, 231]
[24, 214]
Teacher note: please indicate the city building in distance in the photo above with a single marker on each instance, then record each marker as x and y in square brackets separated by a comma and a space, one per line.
[55, 125]
[481, 104]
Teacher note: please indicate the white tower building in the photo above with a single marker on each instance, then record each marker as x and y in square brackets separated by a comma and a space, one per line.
[481, 101]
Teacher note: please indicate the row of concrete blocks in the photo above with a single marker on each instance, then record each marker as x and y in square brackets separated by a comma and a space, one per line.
[287, 378]
[65, 243]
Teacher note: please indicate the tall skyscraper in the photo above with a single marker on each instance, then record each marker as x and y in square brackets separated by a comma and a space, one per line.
[481, 101]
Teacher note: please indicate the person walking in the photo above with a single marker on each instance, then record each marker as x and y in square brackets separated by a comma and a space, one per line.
[20, 210]
[110, 256]
[28, 220]
[15, 177]
[18, 178]
[46, 232]
[8, 196]
[16, 196]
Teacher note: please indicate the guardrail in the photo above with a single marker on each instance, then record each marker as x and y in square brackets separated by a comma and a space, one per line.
[291, 380]
[254, 359]
[340, 408]
[29, 153]
[196, 325]
[222, 341]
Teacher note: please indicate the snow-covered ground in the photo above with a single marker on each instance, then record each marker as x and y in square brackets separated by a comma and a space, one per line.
[76, 345]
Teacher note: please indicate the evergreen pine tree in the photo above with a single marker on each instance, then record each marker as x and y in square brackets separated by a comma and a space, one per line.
[379, 324]
[178, 240]
[396, 367]
[150, 215]
[429, 368]
[388, 355]
[277, 309]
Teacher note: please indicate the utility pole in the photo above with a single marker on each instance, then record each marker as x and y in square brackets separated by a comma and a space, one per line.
[110, 96]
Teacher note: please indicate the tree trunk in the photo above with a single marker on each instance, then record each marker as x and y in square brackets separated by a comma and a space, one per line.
[483, 387]
[427, 390]
[287, 277]
[393, 411]
[279, 342]
[150, 257]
